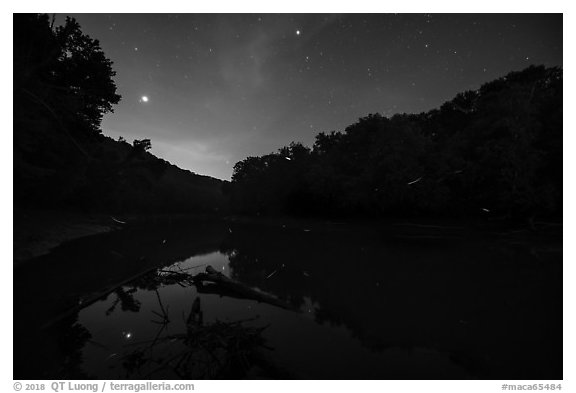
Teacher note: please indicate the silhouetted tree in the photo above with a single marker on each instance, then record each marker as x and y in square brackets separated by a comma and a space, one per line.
[142, 145]
[63, 70]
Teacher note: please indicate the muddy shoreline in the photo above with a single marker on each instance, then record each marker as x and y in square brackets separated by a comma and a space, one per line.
[37, 232]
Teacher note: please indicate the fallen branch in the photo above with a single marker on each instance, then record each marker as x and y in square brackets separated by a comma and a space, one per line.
[218, 283]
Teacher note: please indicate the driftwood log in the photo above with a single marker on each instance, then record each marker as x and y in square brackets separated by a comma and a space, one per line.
[215, 282]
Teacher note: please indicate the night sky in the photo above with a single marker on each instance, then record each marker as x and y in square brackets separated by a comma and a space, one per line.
[210, 90]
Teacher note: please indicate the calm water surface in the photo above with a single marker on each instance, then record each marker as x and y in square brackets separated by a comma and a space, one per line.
[366, 302]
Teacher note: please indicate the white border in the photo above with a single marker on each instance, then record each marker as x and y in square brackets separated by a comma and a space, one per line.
[298, 6]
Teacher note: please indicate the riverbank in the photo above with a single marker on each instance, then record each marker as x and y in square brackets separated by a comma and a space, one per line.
[36, 232]
[413, 226]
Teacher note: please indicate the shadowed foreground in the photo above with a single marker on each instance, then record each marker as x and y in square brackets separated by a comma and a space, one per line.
[394, 301]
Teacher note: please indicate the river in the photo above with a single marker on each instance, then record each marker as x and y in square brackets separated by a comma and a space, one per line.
[407, 300]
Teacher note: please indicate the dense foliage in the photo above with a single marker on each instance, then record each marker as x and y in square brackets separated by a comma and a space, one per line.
[63, 86]
[496, 151]
[62, 70]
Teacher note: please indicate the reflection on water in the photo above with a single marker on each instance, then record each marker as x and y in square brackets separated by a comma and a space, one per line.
[366, 302]
[173, 332]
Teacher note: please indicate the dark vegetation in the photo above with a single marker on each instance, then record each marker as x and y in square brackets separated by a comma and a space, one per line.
[495, 151]
[63, 85]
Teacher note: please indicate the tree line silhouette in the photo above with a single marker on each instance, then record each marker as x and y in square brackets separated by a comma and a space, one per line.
[494, 151]
[63, 86]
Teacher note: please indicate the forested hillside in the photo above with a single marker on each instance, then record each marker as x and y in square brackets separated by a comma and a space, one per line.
[63, 86]
[495, 151]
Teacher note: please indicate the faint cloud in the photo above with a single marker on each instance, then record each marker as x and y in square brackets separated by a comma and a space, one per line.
[242, 65]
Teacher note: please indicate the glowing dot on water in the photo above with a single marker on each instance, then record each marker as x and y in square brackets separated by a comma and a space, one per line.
[297, 32]
[144, 99]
